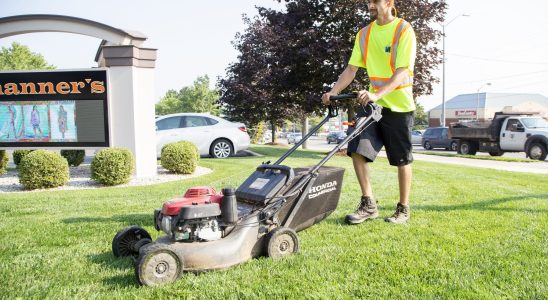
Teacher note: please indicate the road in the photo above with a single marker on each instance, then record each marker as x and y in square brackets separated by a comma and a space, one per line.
[319, 143]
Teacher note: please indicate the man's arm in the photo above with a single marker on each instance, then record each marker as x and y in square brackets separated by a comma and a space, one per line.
[397, 78]
[347, 76]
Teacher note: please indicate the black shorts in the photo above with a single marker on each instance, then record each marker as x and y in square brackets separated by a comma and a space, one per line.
[393, 131]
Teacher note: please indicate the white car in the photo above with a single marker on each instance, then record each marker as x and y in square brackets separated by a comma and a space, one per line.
[212, 135]
[294, 138]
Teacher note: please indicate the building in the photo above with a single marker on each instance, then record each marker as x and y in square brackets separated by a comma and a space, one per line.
[483, 106]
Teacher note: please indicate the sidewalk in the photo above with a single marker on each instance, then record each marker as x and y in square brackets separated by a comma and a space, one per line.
[532, 167]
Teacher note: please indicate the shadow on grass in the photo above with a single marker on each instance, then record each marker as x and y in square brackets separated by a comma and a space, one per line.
[107, 259]
[488, 205]
[134, 219]
[121, 281]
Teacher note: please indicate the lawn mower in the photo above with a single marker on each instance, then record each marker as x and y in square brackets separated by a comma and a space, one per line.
[209, 230]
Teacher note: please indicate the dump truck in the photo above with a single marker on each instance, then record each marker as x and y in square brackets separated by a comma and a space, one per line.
[506, 132]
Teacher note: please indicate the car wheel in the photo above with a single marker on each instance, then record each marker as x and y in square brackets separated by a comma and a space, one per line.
[453, 146]
[467, 148]
[427, 146]
[328, 142]
[496, 153]
[537, 151]
[221, 148]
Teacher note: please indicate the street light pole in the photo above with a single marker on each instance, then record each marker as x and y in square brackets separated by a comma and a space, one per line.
[477, 104]
[442, 119]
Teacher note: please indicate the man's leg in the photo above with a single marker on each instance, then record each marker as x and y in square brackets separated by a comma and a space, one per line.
[361, 167]
[367, 208]
[404, 180]
[403, 212]
[398, 147]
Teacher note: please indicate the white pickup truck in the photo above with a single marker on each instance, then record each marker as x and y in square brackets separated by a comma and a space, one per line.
[507, 132]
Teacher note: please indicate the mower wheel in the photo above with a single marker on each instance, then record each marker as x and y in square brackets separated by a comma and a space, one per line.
[282, 242]
[128, 241]
[158, 264]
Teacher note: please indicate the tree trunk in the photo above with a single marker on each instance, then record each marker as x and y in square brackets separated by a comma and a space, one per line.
[274, 138]
[305, 131]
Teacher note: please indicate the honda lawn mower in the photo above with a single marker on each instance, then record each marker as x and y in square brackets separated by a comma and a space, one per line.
[209, 230]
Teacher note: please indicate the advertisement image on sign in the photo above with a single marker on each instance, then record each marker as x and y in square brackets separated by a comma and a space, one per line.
[54, 109]
[11, 121]
[63, 116]
[38, 121]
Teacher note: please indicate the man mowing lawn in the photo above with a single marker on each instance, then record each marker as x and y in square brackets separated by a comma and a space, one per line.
[386, 48]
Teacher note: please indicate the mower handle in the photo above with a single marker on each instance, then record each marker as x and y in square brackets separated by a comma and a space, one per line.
[353, 95]
[281, 168]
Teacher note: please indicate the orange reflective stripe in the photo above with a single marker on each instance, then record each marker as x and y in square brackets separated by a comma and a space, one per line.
[364, 42]
[379, 82]
[379, 78]
[400, 29]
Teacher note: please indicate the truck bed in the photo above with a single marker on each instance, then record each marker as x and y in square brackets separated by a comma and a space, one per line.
[476, 130]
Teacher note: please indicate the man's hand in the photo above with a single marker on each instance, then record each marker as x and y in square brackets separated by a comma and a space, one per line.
[326, 96]
[365, 96]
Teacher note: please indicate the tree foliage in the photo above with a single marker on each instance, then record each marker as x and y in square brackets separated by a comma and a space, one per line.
[19, 57]
[196, 98]
[288, 57]
[421, 117]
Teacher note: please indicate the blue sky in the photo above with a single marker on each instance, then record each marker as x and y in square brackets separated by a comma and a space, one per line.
[503, 42]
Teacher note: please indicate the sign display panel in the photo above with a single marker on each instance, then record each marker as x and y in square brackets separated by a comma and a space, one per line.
[54, 109]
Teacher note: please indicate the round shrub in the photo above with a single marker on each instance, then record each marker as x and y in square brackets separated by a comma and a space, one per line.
[43, 169]
[3, 162]
[19, 154]
[179, 157]
[186, 144]
[74, 157]
[112, 166]
[192, 146]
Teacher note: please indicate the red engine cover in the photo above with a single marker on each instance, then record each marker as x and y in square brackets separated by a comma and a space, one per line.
[194, 195]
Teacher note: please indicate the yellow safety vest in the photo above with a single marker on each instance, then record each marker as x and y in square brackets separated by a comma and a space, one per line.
[401, 99]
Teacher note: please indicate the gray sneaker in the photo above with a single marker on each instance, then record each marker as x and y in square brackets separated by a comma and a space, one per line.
[367, 210]
[401, 215]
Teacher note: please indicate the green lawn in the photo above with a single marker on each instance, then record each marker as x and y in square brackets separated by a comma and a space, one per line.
[474, 233]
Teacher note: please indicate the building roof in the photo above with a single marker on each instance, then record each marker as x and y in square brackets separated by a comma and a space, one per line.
[491, 100]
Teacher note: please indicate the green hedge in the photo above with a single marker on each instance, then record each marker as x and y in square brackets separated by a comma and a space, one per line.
[43, 169]
[112, 166]
[74, 157]
[18, 155]
[3, 162]
[180, 157]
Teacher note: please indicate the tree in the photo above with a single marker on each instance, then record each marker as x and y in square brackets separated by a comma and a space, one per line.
[421, 117]
[248, 92]
[19, 57]
[196, 98]
[288, 57]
